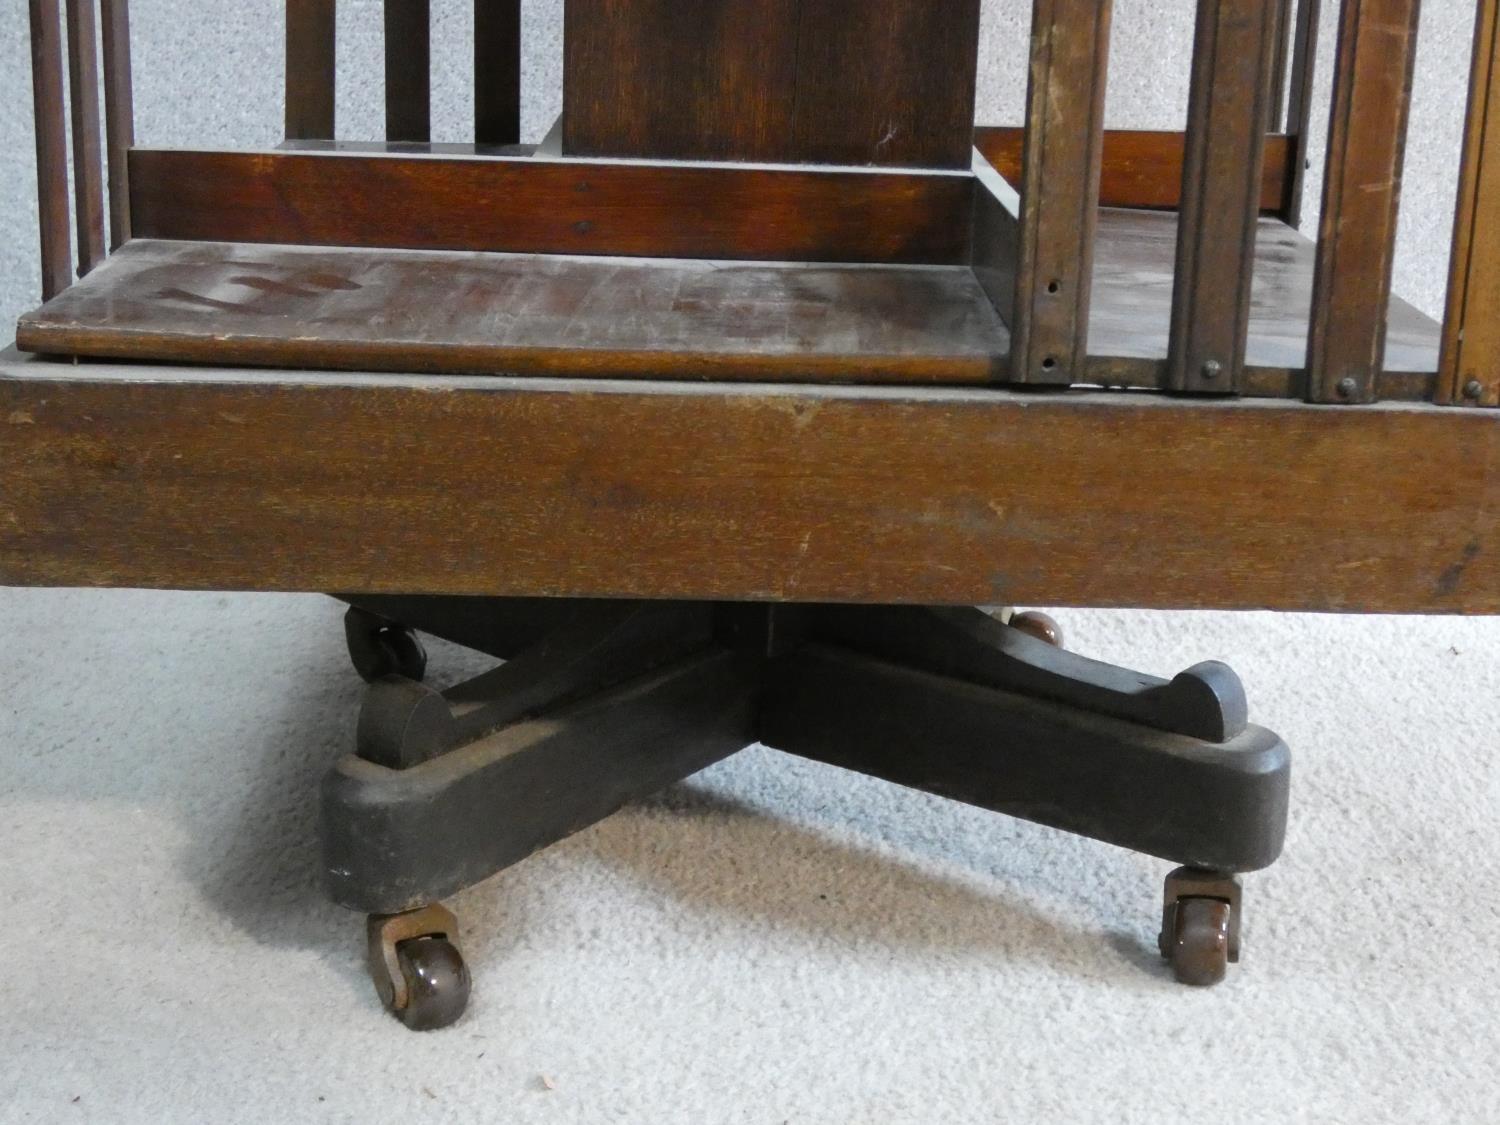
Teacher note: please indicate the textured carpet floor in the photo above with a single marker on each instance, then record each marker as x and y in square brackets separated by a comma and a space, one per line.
[773, 941]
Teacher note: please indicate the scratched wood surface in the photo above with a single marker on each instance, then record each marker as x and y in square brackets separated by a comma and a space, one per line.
[189, 478]
[437, 311]
[419, 311]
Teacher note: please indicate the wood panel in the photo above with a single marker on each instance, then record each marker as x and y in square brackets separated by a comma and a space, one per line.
[88, 155]
[702, 81]
[883, 82]
[1471, 339]
[527, 315]
[1228, 104]
[310, 69]
[51, 146]
[408, 70]
[119, 114]
[181, 478]
[1361, 197]
[1060, 190]
[996, 249]
[1141, 168]
[497, 72]
[552, 207]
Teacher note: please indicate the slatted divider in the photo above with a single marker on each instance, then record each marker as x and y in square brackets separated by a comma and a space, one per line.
[408, 70]
[1361, 198]
[1228, 106]
[310, 37]
[119, 115]
[1470, 369]
[1064, 148]
[497, 72]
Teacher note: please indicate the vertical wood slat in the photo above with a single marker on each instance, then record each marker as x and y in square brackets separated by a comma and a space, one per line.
[1064, 151]
[1361, 198]
[408, 70]
[88, 154]
[1233, 56]
[119, 115]
[1299, 104]
[51, 146]
[309, 70]
[1470, 368]
[1283, 14]
[497, 72]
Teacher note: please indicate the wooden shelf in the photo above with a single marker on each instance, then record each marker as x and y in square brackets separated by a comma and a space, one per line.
[475, 313]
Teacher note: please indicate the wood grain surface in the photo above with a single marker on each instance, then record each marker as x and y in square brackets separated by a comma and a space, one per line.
[169, 477]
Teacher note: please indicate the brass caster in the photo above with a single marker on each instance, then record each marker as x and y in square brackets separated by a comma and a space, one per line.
[1039, 625]
[379, 648]
[1200, 928]
[418, 972]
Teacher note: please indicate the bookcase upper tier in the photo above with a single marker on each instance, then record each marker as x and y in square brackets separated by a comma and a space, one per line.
[854, 82]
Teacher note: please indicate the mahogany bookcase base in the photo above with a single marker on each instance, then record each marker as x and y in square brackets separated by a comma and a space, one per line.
[600, 703]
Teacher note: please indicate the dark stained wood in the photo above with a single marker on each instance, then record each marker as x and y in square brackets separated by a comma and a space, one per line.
[1142, 168]
[710, 81]
[51, 146]
[1361, 197]
[884, 82]
[88, 157]
[200, 478]
[526, 315]
[309, 69]
[537, 206]
[119, 114]
[408, 70]
[497, 72]
[1060, 189]
[1471, 338]
[1228, 104]
[1299, 108]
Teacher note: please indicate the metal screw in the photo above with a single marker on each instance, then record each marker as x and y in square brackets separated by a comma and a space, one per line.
[1212, 369]
[1473, 389]
[1348, 387]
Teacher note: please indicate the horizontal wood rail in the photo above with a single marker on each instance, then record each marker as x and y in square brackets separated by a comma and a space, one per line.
[1142, 168]
[126, 475]
[534, 205]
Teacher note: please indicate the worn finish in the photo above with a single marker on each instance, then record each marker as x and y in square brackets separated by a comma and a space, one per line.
[168, 477]
[408, 70]
[552, 207]
[119, 114]
[1060, 190]
[527, 315]
[309, 69]
[883, 82]
[51, 146]
[497, 72]
[1471, 339]
[1141, 168]
[1228, 105]
[88, 157]
[1361, 197]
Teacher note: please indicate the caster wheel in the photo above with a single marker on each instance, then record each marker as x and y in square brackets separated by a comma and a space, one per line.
[417, 969]
[380, 648]
[1199, 949]
[1200, 932]
[437, 983]
[1039, 625]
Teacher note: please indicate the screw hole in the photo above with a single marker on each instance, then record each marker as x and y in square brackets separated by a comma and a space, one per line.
[1049, 363]
[1054, 286]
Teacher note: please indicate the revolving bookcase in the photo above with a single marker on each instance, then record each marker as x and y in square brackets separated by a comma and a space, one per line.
[714, 415]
